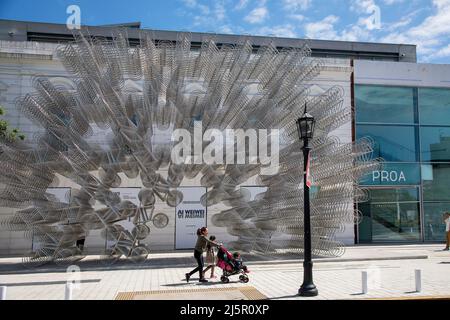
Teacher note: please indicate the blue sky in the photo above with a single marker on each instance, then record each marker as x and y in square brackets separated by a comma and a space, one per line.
[422, 22]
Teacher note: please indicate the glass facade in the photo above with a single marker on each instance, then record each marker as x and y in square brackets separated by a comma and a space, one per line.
[392, 214]
[393, 104]
[411, 132]
[392, 143]
[435, 144]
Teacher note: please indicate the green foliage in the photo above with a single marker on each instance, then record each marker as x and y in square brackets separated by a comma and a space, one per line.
[7, 133]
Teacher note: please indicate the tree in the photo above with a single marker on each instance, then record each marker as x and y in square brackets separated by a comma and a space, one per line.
[6, 133]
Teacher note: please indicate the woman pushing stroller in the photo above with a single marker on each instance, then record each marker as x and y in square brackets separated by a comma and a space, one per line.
[200, 247]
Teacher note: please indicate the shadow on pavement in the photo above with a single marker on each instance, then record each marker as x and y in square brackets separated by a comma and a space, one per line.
[357, 294]
[284, 297]
[195, 281]
[150, 263]
[43, 283]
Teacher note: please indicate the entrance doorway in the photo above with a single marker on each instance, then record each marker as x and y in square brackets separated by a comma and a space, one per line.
[391, 215]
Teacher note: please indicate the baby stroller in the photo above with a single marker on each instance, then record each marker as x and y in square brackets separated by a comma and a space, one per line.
[225, 261]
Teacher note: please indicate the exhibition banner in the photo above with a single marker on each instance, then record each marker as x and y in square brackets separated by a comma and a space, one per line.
[190, 215]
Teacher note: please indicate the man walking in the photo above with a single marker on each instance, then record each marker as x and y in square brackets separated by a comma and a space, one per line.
[447, 230]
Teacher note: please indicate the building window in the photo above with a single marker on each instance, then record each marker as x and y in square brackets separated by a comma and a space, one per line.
[435, 143]
[436, 182]
[392, 214]
[434, 226]
[434, 106]
[392, 143]
[380, 104]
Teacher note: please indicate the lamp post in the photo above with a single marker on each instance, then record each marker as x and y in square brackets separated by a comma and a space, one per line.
[305, 127]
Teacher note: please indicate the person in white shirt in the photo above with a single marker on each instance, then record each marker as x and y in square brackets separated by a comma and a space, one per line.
[447, 230]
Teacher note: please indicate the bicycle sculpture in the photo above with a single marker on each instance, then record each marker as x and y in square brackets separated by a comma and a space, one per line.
[106, 123]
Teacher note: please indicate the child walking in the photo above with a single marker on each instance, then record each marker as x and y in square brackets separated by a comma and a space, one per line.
[211, 258]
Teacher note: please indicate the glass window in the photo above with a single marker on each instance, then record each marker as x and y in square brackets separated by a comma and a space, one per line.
[435, 143]
[392, 143]
[394, 195]
[390, 215]
[395, 221]
[386, 222]
[436, 182]
[365, 227]
[433, 221]
[434, 106]
[384, 104]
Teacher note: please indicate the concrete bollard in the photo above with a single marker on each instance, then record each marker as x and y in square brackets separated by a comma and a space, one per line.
[69, 291]
[365, 281]
[3, 293]
[418, 274]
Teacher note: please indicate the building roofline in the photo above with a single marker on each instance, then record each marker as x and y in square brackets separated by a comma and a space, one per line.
[52, 32]
[136, 25]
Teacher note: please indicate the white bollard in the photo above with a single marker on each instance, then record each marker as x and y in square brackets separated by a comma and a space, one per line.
[69, 291]
[418, 273]
[2, 293]
[365, 280]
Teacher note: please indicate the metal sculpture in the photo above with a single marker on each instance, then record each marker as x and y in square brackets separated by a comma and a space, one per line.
[108, 122]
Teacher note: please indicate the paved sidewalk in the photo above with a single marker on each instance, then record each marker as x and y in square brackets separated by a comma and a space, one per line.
[185, 259]
[391, 269]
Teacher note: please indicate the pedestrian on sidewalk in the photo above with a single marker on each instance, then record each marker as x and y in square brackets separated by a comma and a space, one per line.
[211, 258]
[447, 230]
[200, 247]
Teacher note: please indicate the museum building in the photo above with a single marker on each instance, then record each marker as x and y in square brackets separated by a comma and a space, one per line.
[402, 105]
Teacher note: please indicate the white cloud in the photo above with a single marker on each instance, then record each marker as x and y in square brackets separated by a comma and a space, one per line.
[193, 4]
[403, 22]
[296, 5]
[356, 33]
[297, 17]
[220, 11]
[323, 29]
[241, 5]
[441, 53]
[362, 6]
[204, 9]
[257, 15]
[190, 3]
[283, 31]
[436, 25]
[390, 2]
[202, 21]
[430, 35]
[226, 29]
[209, 18]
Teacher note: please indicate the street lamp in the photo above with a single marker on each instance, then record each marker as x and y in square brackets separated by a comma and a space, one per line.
[305, 126]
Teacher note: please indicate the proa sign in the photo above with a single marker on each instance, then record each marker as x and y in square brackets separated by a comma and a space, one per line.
[388, 176]
[392, 174]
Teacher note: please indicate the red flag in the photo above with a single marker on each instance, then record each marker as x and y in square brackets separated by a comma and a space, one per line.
[308, 177]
